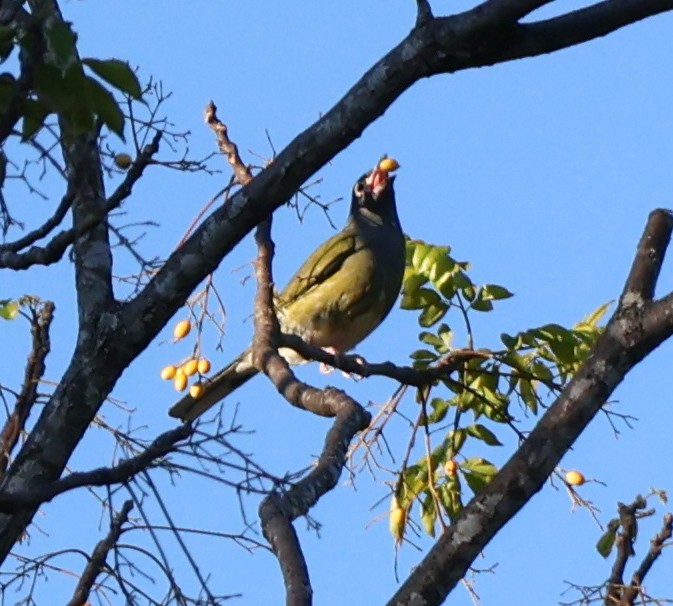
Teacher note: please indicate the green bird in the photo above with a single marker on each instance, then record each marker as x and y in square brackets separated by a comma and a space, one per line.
[341, 293]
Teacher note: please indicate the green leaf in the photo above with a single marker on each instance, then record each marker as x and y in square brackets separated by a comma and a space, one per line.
[432, 314]
[455, 439]
[9, 309]
[420, 298]
[6, 42]
[420, 251]
[428, 514]
[607, 540]
[496, 413]
[412, 281]
[449, 495]
[528, 394]
[484, 434]
[481, 304]
[7, 89]
[508, 340]
[595, 316]
[476, 482]
[51, 86]
[439, 409]
[104, 105]
[431, 339]
[423, 354]
[440, 341]
[34, 115]
[493, 291]
[480, 465]
[118, 73]
[441, 270]
[61, 40]
[541, 372]
[461, 280]
[446, 335]
[413, 482]
[478, 473]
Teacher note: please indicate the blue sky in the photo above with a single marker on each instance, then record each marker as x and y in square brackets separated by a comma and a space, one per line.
[540, 172]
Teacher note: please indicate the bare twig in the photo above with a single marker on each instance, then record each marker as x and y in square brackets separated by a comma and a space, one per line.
[102, 476]
[97, 563]
[40, 320]
[226, 145]
[56, 247]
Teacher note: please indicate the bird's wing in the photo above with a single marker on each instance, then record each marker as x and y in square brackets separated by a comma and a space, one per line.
[342, 299]
[324, 262]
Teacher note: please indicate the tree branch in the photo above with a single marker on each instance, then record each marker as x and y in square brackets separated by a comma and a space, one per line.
[97, 561]
[644, 273]
[407, 375]
[11, 502]
[53, 251]
[277, 512]
[40, 232]
[576, 27]
[42, 316]
[628, 522]
[226, 145]
[657, 543]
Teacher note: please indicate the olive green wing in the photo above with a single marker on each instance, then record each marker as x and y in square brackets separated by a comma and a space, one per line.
[344, 306]
[324, 262]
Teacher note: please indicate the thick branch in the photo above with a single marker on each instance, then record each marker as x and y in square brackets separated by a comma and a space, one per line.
[278, 511]
[535, 38]
[649, 258]
[13, 14]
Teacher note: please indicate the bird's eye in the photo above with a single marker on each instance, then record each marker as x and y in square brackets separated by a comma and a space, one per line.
[359, 190]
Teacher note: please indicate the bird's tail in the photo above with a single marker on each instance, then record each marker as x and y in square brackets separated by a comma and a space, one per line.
[230, 378]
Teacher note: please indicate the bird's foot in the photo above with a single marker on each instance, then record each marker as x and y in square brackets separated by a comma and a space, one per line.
[327, 369]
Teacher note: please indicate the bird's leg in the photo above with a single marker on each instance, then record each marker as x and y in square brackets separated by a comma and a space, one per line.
[327, 369]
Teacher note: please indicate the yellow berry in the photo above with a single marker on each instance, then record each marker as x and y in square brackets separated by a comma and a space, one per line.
[196, 390]
[123, 161]
[190, 367]
[182, 329]
[180, 380]
[451, 468]
[204, 366]
[168, 372]
[575, 478]
[389, 164]
[397, 521]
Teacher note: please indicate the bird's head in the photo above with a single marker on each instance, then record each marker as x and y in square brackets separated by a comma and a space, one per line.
[373, 192]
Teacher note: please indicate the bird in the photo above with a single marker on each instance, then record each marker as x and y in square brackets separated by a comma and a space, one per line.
[340, 294]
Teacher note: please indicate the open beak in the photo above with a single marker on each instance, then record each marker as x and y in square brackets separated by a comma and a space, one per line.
[378, 181]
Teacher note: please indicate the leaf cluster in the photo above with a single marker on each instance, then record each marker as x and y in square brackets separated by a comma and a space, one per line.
[79, 91]
[468, 410]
